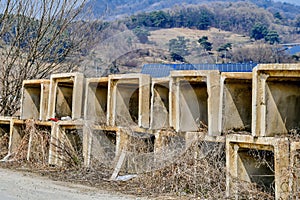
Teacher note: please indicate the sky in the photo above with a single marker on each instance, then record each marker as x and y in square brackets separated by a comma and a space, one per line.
[297, 2]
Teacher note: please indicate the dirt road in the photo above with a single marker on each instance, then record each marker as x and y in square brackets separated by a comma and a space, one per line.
[16, 185]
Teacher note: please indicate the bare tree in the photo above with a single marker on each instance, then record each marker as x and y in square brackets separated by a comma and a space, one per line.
[260, 52]
[36, 39]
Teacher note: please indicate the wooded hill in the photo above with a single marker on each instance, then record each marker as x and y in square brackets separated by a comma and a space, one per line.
[112, 9]
[207, 33]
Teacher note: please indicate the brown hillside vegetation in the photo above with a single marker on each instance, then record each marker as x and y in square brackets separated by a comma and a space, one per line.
[122, 52]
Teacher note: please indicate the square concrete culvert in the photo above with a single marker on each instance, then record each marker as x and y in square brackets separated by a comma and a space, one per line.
[39, 141]
[235, 102]
[4, 135]
[95, 109]
[102, 144]
[30, 140]
[19, 138]
[66, 147]
[34, 100]
[276, 99]
[138, 147]
[159, 115]
[194, 100]
[129, 100]
[66, 95]
[263, 161]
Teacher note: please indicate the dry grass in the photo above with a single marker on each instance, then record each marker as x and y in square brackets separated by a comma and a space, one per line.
[195, 171]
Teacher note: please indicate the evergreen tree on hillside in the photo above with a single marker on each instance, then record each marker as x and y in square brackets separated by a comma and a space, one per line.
[272, 37]
[258, 31]
[203, 41]
[178, 48]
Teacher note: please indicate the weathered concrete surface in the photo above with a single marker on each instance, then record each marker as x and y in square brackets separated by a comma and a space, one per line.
[194, 100]
[95, 109]
[295, 169]
[262, 160]
[66, 95]
[34, 100]
[276, 99]
[159, 115]
[22, 186]
[129, 100]
[235, 101]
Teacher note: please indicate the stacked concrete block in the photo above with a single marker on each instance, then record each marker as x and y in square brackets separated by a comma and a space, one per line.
[66, 96]
[128, 100]
[276, 99]
[235, 102]
[34, 100]
[263, 161]
[22, 137]
[194, 100]
[138, 148]
[134, 122]
[39, 148]
[17, 133]
[100, 144]
[95, 109]
[159, 113]
[66, 147]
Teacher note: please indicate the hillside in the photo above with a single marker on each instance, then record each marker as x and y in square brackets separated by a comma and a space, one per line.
[122, 52]
[108, 10]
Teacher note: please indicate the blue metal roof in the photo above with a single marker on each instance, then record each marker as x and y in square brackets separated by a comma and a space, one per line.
[163, 70]
[294, 50]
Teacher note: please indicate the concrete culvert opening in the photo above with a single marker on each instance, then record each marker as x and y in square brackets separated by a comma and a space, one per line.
[4, 139]
[193, 105]
[163, 91]
[97, 102]
[237, 105]
[73, 150]
[39, 144]
[127, 104]
[64, 100]
[257, 166]
[139, 152]
[160, 106]
[283, 105]
[31, 101]
[19, 141]
[103, 147]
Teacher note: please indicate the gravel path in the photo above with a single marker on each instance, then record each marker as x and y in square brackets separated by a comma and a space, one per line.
[27, 186]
